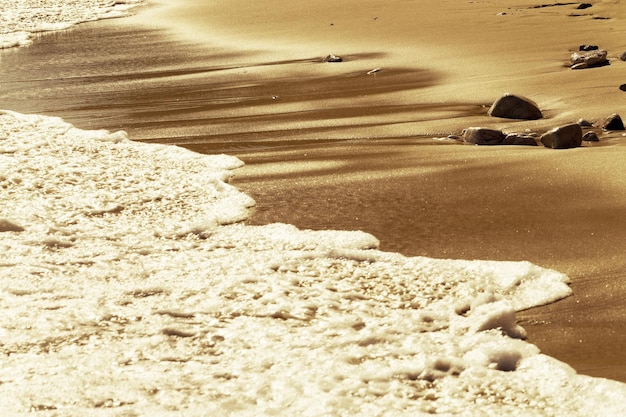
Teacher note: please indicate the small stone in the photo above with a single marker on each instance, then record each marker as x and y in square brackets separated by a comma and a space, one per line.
[588, 59]
[333, 58]
[585, 123]
[591, 137]
[613, 122]
[583, 6]
[584, 47]
[563, 137]
[622, 56]
[519, 139]
[622, 87]
[511, 106]
[483, 136]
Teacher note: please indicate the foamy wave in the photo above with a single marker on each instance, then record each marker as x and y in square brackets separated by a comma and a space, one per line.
[128, 283]
[20, 18]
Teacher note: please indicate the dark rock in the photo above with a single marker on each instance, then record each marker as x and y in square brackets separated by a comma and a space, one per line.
[591, 137]
[622, 56]
[510, 106]
[519, 139]
[9, 226]
[588, 47]
[584, 123]
[622, 87]
[563, 137]
[583, 6]
[483, 136]
[588, 59]
[333, 58]
[613, 122]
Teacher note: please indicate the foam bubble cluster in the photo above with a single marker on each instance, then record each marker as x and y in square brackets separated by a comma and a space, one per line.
[20, 18]
[128, 284]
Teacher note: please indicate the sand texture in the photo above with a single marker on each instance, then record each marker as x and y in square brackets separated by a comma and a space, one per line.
[442, 64]
[340, 146]
[458, 52]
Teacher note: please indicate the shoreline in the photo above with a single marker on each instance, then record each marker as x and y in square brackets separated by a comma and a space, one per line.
[449, 216]
[517, 64]
[265, 112]
[149, 296]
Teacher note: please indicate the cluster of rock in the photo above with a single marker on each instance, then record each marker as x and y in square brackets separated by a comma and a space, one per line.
[517, 107]
[588, 56]
[591, 56]
[486, 136]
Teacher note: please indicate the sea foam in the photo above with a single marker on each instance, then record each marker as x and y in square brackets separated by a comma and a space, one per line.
[129, 285]
[128, 282]
[19, 19]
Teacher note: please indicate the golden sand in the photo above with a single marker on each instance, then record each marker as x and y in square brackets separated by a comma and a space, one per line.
[478, 49]
[440, 64]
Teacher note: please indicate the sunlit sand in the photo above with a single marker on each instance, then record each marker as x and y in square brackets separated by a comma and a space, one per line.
[126, 262]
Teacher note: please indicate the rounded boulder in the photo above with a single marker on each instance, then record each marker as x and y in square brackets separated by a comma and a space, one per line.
[612, 122]
[511, 106]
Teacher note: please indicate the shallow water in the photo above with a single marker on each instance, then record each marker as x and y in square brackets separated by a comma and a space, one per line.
[419, 197]
[102, 75]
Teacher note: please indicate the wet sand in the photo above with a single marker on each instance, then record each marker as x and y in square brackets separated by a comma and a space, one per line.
[455, 201]
[328, 146]
[563, 210]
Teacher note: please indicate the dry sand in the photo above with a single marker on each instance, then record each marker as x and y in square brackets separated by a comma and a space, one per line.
[442, 63]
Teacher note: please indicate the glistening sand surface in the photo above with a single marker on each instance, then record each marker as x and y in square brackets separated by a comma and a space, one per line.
[452, 201]
[559, 209]
[442, 63]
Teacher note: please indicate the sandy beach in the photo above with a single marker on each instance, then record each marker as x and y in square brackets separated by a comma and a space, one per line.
[328, 146]
[476, 50]
[442, 64]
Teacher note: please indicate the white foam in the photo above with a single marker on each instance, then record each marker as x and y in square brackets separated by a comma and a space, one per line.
[10, 40]
[129, 286]
[19, 19]
[127, 283]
